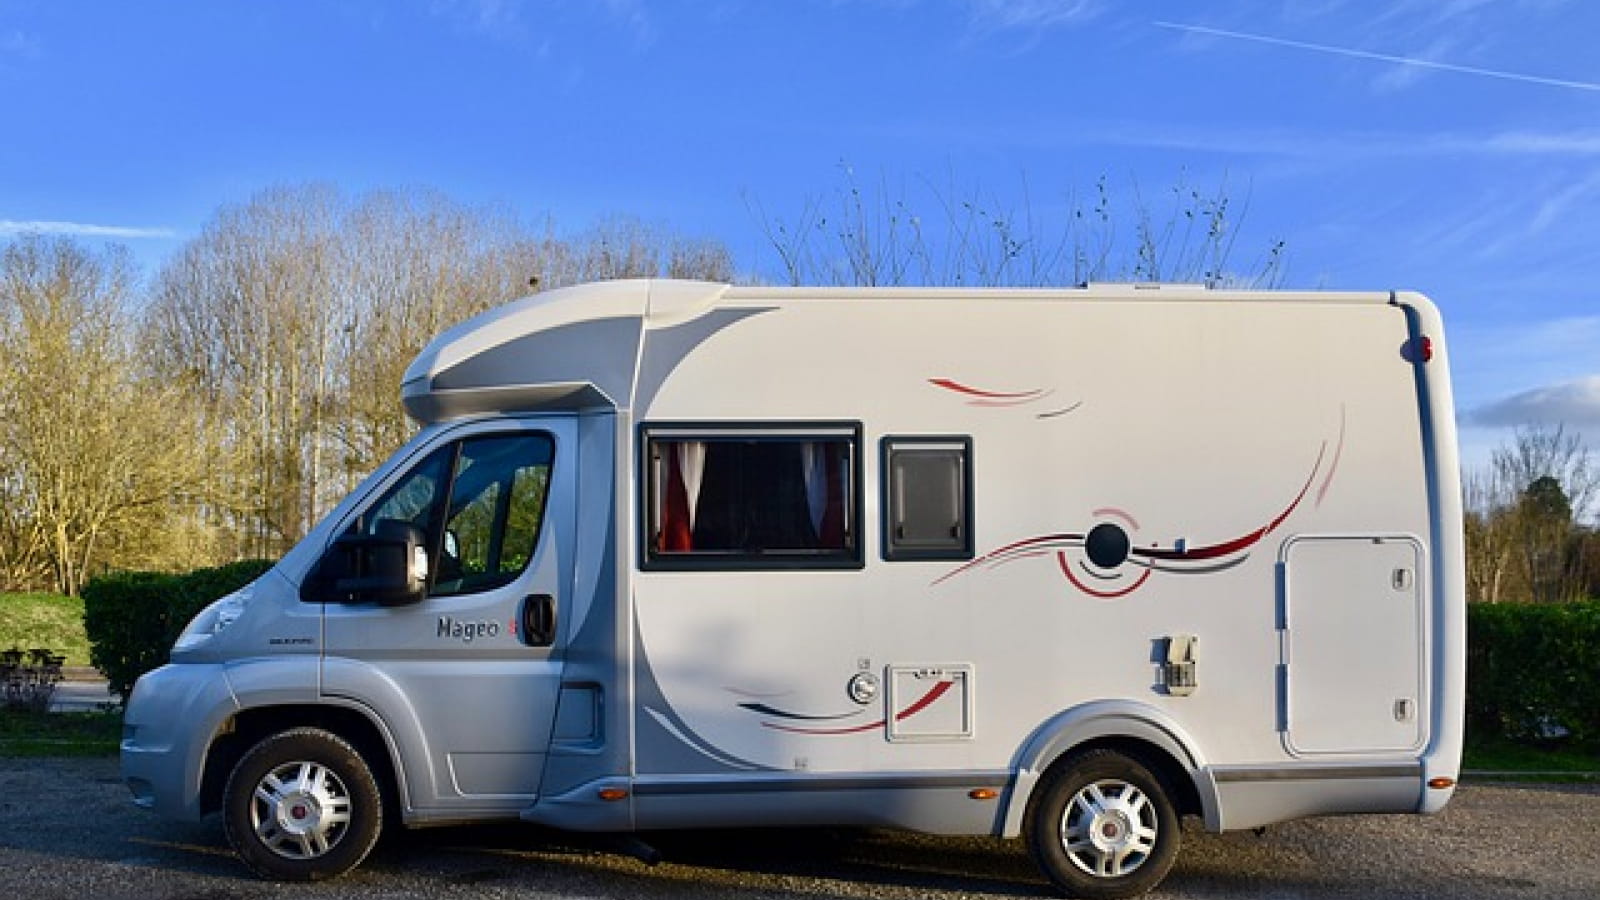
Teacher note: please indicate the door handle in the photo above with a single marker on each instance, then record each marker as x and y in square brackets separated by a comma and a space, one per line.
[539, 620]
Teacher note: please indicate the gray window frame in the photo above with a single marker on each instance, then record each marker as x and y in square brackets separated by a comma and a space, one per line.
[961, 447]
[852, 556]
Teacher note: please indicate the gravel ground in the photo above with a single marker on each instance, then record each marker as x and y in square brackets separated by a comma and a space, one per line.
[67, 830]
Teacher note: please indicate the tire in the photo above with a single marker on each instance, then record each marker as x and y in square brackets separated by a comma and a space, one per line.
[302, 805]
[1103, 826]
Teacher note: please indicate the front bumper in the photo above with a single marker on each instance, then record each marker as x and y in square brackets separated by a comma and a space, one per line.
[172, 716]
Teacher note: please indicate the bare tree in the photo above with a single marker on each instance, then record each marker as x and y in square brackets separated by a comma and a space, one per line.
[1557, 490]
[1491, 545]
[293, 316]
[248, 309]
[1526, 537]
[413, 264]
[627, 247]
[89, 450]
[954, 234]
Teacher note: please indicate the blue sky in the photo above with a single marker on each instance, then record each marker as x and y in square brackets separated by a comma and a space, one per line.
[1449, 146]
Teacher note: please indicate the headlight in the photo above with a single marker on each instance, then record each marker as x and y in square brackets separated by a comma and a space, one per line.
[213, 619]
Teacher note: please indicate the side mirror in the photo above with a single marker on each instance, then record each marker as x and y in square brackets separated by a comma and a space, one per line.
[389, 566]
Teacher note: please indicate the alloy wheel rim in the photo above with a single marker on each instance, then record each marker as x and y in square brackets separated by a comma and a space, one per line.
[300, 810]
[1109, 829]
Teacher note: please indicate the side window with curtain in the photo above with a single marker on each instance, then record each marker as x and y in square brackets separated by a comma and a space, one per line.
[480, 503]
[751, 497]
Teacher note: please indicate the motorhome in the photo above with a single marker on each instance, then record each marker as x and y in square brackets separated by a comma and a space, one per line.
[1065, 565]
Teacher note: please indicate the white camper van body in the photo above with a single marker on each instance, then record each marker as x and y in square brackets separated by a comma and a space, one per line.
[1217, 532]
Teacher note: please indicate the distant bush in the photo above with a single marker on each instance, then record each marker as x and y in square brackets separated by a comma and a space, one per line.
[133, 617]
[1533, 671]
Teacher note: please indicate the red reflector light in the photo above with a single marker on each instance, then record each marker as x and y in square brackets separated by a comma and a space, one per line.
[1425, 348]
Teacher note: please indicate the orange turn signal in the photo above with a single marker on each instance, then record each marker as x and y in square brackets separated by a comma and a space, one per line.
[1441, 783]
[983, 793]
[611, 794]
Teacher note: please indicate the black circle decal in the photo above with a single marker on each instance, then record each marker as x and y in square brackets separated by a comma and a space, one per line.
[1107, 545]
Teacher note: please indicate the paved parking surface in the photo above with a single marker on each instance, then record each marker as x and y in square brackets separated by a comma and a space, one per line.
[67, 830]
[80, 696]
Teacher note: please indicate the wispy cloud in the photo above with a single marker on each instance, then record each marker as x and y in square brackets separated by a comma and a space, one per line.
[20, 45]
[1575, 403]
[1577, 144]
[516, 21]
[1497, 359]
[1032, 13]
[1509, 375]
[1555, 206]
[82, 229]
[1574, 143]
[1356, 53]
[486, 16]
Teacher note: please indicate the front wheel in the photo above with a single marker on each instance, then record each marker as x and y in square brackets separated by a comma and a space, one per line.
[1103, 827]
[302, 805]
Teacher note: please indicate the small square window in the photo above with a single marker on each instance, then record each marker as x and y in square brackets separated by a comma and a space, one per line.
[927, 498]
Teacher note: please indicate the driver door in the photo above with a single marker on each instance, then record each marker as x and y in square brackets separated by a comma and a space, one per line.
[475, 666]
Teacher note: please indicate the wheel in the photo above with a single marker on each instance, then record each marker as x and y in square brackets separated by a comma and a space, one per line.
[302, 805]
[1103, 826]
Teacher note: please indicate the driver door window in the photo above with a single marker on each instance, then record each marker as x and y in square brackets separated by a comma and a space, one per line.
[480, 503]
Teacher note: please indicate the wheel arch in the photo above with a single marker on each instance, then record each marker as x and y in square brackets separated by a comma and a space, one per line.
[1140, 732]
[355, 724]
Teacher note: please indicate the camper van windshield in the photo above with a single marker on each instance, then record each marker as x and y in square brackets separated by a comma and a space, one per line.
[748, 497]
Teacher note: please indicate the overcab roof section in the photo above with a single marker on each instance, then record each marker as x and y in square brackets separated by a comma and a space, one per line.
[569, 349]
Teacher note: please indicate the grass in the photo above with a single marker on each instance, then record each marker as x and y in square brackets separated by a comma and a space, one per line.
[34, 734]
[1560, 761]
[44, 620]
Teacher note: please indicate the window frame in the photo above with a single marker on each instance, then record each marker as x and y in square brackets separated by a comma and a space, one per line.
[450, 449]
[500, 516]
[853, 556]
[887, 445]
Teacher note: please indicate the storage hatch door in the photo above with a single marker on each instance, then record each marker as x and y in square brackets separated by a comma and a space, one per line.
[1354, 657]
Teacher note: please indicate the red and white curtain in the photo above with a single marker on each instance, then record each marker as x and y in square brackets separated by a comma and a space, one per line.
[821, 464]
[685, 463]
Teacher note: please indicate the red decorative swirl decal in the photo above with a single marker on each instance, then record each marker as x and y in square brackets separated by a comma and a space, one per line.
[1107, 563]
[958, 387]
[984, 397]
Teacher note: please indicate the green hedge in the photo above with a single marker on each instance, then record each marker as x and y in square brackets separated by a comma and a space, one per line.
[1533, 671]
[132, 618]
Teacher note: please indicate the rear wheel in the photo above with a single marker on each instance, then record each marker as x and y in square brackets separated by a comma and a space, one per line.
[1103, 827]
[302, 805]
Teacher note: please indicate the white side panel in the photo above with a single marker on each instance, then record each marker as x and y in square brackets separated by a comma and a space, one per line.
[1353, 646]
[1209, 433]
